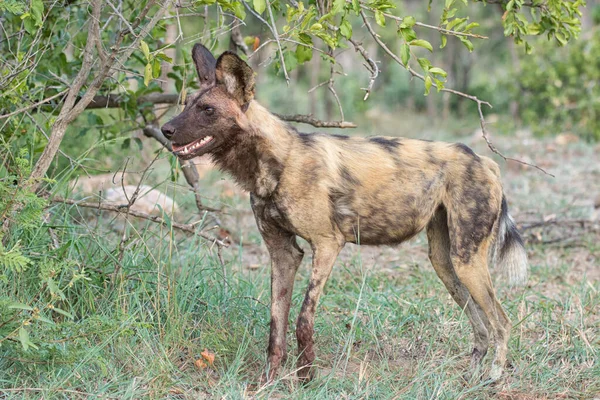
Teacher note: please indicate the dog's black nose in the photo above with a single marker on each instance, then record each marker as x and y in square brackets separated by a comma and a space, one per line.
[168, 130]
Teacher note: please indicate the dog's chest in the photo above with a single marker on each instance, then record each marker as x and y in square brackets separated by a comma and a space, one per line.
[270, 215]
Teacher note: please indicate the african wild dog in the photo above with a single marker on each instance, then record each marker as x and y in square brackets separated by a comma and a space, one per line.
[331, 189]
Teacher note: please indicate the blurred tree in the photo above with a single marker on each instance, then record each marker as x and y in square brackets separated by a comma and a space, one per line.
[561, 88]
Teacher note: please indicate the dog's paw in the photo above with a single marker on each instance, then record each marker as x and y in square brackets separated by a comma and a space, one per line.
[496, 372]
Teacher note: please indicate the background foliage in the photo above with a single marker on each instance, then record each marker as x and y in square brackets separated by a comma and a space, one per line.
[90, 295]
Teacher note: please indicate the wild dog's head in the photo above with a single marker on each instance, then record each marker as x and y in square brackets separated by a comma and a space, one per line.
[217, 112]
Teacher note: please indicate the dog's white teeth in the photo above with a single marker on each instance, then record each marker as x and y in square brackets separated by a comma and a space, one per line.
[191, 147]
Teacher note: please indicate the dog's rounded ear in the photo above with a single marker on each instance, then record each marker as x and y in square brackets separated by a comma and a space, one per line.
[236, 76]
[205, 65]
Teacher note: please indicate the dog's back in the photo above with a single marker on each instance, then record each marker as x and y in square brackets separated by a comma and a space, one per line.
[381, 190]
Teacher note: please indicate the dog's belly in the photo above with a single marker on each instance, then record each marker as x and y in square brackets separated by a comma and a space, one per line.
[374, 221]
[383, 227]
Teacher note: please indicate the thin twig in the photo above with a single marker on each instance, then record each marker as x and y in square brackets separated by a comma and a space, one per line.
[189, 228]
[162, 98]
[370, 65]
[29, 107]
[332, 89]
[456, 92]
[273, 30]
[423, 25]
[276, 36]
[317, 123]
[121, 17]
[554, 222]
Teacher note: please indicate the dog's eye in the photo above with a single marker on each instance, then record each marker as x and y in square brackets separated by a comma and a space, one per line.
[208, 110]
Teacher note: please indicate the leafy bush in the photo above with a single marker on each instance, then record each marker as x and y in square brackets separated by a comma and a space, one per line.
[560, 88]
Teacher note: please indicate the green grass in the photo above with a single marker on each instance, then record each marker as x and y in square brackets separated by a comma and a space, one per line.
[386, 328]
[379, 334]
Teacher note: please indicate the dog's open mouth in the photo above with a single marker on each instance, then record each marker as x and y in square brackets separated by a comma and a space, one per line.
[191, 148]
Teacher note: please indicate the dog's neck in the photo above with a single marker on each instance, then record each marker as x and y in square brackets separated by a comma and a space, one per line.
[257, 155]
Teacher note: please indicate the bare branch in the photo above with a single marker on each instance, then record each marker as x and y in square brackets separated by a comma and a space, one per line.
[115, 101]
[493, 148]
[236, 40]
[189, 228]
[70, 110]
[276, 36]
[317, 123]
[456, 92]
[65, 116]
[370, 65]
[163, 98]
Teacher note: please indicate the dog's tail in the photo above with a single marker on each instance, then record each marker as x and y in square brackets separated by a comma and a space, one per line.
[509, 255]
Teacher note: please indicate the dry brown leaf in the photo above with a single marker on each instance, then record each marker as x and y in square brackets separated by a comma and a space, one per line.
[209, 356]
[200, 364]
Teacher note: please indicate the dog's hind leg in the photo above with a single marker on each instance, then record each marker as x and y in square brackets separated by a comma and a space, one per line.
[475, 276]
[439, 255]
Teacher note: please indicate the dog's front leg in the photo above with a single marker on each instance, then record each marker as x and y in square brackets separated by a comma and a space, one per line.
[286, 257]
[285, 260]
[324, 254]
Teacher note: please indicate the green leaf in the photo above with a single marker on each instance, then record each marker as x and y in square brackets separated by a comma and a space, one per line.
[20, 306]
[44, 319]
[63, 312]
[291, 62]
[164, 57]
[405, 53]
[24, 338]
[37, 12]
[303, 54]
[145, 50]
[422, 43]
[428, 83]
[379, 18]
[471, 26]
[29, 24]
[346, 29]
[438, 71]
[156, 68]
[54, 289]
[444, 41]
[260, 6]
[424, 63]
[408, 22]
[408, 34]
[338, 7]
[147, 74]
[560, 38]
[466, 42]
[238, 9]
